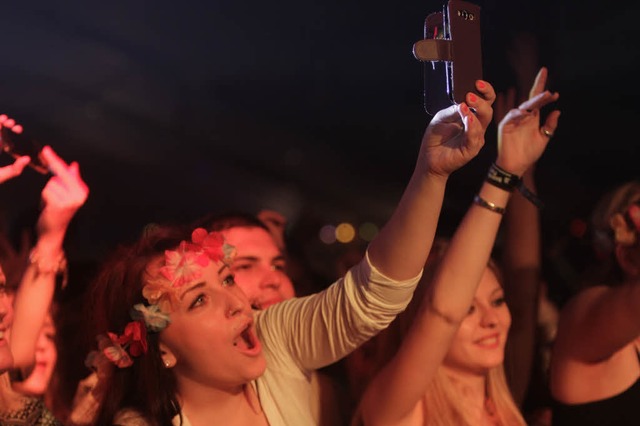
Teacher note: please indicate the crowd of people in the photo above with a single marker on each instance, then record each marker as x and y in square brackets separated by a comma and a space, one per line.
[201, 323]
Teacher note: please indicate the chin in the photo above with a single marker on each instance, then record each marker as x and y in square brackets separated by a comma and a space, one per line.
[6, 360]
[258, 368]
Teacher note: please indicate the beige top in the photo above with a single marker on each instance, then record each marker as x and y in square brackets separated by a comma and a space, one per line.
[303, 334]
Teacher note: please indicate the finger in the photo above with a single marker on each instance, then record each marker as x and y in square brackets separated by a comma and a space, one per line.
[551, 123]
[540, 100]
[9, 122]
[469, 119]
[3, 118]
[483, 109]
[21, 163]
[15, 169]
[74, 168]
[486, 90]
[450, 114]
[17, 129]
[539, 83]
[57, 165]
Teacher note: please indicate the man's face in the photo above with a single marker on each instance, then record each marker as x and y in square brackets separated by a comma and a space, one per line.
[259, 266]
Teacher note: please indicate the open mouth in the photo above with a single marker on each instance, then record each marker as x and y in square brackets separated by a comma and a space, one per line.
[247, 340]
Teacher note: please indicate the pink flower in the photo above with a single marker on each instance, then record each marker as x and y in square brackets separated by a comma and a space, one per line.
[159, 292]
[212, 243]
[113, 351]
[183, 265]
[135, 338]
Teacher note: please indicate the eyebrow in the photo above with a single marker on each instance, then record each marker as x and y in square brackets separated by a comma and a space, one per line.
[190, 289]
[256, 259]
[497, 290]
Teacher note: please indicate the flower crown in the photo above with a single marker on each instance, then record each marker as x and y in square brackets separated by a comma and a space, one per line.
[181, 266]
[626, 225]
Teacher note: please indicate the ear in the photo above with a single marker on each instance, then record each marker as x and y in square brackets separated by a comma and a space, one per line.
[629, 260]
[621, 231]
[168, 357]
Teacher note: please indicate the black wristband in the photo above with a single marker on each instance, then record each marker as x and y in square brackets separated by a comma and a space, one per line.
[502, 178]
[526, 193]
[508, 181]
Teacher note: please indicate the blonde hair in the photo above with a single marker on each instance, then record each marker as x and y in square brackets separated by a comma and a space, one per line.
[441, 401]
[443, 408]
[615, 201]
[607, 270]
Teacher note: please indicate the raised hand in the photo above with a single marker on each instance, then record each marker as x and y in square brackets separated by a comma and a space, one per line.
[455, 134]
[15, 169]
[63, 195]
[521, 138]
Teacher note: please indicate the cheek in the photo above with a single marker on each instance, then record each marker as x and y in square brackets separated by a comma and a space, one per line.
[505, 318]
[287, 289]
[52, 354]
[463, 336]
[189, 338]
[248, 283]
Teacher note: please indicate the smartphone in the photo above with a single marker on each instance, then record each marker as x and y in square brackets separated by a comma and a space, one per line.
[19, 144]
[464, 29]
[458, 56]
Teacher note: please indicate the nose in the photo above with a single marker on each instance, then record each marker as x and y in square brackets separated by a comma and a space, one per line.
[489, 317]
[236, 304]
[272, 279]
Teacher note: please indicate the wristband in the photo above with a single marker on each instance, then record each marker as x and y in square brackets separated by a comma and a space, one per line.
[508, 181]
[502, 178]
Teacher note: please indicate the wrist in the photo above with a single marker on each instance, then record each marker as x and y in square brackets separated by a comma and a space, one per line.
[49, 260]
[499, 177]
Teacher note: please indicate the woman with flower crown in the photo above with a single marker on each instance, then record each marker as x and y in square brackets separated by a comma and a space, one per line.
[595, 362]
[180, 345]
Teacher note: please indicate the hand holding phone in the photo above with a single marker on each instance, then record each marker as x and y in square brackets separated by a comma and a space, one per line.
[16, 143]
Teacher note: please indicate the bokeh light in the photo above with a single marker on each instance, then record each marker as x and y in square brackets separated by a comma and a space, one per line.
[368, 231]
[345, 232]
[327, 234]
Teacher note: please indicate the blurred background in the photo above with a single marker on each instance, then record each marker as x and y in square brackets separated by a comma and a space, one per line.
[310, 108]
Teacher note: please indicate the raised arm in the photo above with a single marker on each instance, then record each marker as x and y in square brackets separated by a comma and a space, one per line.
[62, 196]
[454, 136]
[521, 263]
[394, 394]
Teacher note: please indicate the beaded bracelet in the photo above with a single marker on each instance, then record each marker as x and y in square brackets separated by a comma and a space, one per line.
[47, 266]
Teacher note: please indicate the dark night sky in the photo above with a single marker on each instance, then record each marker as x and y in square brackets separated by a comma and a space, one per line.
[309, 107]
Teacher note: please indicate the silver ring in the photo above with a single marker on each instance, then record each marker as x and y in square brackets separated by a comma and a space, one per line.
[546, 132]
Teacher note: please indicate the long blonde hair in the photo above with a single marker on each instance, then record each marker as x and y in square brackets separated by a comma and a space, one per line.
[443, 408]
[442, 403]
